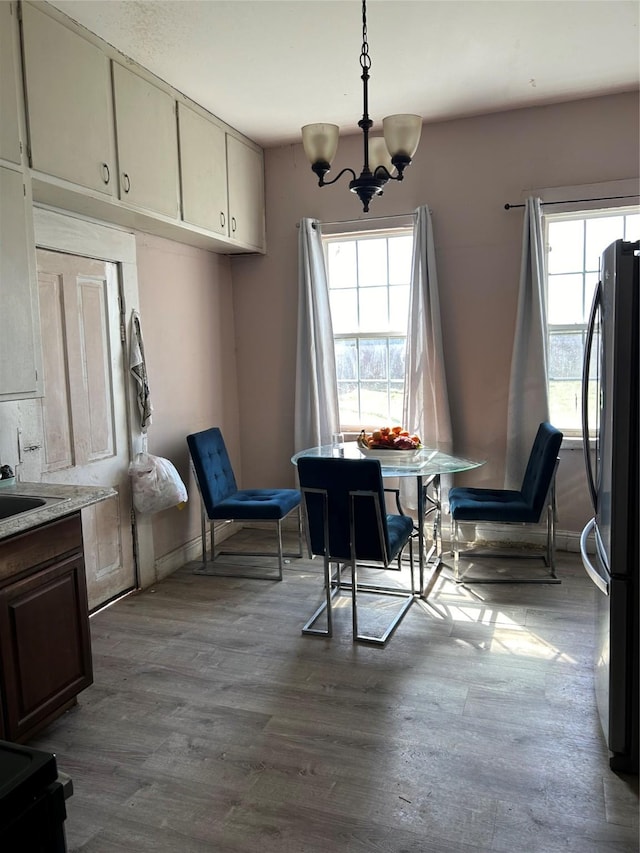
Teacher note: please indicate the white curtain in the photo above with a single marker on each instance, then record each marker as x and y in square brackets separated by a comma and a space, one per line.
[426, 401]
[528, 392]
[316, 412]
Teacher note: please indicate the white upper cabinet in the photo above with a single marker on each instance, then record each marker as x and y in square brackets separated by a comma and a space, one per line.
[10, 148]
[68, 95]
[245, 176]
[20, 374]
[203, 171]
[147, 141]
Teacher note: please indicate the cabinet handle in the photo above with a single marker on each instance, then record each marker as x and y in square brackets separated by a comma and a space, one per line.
[126, 183]
[233, 224]
[223, 220]
[106, 174]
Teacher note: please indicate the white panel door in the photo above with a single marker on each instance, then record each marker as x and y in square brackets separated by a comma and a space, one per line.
[84, 408]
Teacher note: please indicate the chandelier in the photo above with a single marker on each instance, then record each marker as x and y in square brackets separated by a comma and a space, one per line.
[382, 154]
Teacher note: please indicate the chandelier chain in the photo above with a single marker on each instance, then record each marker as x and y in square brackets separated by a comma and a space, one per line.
[365, 59]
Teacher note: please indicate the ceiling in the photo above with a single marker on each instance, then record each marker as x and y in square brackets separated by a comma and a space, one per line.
[267, 67]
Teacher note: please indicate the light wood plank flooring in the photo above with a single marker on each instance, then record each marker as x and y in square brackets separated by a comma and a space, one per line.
[214, 725]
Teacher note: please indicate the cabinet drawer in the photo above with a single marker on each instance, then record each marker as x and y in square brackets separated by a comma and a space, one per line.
[39, 546]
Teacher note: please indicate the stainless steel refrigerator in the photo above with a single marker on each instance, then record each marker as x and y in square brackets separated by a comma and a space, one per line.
[609, 542]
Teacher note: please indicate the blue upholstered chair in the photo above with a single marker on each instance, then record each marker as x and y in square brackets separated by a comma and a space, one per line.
[506, 506]
[347, 523]
[221, 500]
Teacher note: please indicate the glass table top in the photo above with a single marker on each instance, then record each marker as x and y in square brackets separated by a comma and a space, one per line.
[426, 462]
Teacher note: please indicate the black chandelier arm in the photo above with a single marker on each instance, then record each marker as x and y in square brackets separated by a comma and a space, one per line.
[321, 170]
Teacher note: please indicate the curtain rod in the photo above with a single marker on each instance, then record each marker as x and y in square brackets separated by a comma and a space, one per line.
[370, 219]
[576, 200]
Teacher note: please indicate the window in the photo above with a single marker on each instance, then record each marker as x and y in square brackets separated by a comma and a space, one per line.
[369, 277]
[575, 243]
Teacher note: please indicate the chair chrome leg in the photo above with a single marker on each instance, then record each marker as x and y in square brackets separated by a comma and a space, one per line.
[280, 561]
[329, 592]
[203, 531]
[455, 543]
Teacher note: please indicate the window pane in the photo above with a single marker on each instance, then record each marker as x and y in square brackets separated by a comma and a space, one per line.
[566, 246]
[590, 282]
[374, 407]
[396, 395]
[344, 310]
[397, 348]
[400, 250]
[341, 264]
[348, 402]
[398, 307]
[346, 359]
[373, 359]
[565, 355]
[565, 299]
[600, 233]
[565, 404]
[374, 309]
[372, 262]
[632, 227]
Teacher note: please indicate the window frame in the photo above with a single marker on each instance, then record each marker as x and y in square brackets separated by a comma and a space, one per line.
[389, 335]
[582, 215]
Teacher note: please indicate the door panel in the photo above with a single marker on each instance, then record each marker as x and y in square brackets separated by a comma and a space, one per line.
[57, 412]
[84, 409]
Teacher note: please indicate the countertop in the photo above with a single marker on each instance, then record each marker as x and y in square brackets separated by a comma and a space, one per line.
[64, 501]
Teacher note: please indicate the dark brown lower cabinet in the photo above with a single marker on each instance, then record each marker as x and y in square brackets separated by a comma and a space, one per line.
[45, 644]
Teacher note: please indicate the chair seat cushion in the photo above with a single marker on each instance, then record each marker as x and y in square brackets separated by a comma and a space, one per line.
[257, 504]
[400, 527]
[503, 505]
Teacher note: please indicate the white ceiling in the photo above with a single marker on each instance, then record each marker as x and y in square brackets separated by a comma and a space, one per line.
[267, 67]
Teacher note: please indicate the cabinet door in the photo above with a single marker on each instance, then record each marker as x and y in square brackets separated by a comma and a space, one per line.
[203, 171]
[68, 96]
[45, 645]
[10, 147]
[19, 333]
[147, 140]
[245, 175]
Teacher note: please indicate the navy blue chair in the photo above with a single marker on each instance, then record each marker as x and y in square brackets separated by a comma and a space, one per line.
[346, 524]
[221, 500]
[509, 506]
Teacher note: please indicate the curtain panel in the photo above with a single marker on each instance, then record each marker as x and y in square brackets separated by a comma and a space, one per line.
[316, 412]
[528, 403]
[426, 400]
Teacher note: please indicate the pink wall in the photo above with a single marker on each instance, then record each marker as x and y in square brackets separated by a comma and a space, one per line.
[186, 308]
[465, 170]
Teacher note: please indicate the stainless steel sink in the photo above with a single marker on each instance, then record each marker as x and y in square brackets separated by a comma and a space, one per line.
[11, 505]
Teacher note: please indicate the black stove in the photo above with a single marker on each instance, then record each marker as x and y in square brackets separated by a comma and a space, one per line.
[32, 801]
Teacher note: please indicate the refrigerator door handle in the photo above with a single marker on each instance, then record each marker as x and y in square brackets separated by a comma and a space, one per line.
[595, 306]
[601, 582]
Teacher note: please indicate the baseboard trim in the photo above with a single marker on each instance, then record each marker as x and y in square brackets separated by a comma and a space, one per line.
[191, 550]
[521, 537]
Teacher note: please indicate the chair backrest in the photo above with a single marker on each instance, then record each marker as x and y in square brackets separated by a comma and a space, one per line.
[212, 465]
[339, 477]
[541, 467]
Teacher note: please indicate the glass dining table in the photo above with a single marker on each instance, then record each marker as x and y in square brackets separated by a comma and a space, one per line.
[427, 466]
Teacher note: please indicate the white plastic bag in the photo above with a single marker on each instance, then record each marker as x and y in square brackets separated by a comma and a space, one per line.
[155, 484]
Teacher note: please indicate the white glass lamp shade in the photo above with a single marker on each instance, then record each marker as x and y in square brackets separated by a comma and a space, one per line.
[379, 154]
[402, 134]
[320, 142]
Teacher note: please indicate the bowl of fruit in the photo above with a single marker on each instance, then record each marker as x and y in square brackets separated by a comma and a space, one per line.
[391, 445]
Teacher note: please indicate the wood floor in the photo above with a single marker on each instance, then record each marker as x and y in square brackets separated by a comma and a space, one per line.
[214, 725]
